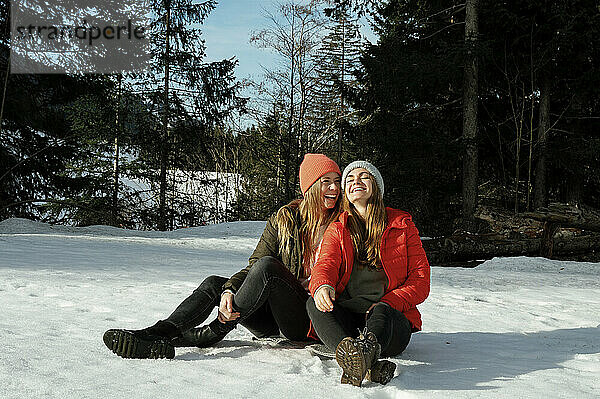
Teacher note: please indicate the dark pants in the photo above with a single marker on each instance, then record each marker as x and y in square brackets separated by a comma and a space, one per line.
[390, 326]
[270, 300]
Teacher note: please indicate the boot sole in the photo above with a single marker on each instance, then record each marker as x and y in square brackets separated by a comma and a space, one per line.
[125, 344]
[352, 362]
[382, 372]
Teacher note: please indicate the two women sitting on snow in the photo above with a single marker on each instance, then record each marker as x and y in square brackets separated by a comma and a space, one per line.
[346, 271]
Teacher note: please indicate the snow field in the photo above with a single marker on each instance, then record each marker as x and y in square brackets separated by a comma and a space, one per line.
[510, 328]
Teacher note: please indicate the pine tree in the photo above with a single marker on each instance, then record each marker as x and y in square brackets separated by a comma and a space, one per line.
[190, 95]
[38, 146]
[540, 86]
[262, 163]
[109, 135]
[470, 151]
[409, 108]
[337, 61]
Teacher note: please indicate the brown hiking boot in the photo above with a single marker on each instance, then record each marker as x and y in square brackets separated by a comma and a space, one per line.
[382, 371]
[359, 356]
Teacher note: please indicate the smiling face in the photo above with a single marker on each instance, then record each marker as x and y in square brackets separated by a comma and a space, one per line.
[330, 189]
[359, 186]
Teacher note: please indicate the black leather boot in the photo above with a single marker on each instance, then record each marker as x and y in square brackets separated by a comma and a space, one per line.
[204, 336]
[200, 337]
[149, 343]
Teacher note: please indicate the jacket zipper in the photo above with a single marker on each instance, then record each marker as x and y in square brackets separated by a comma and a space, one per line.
[383, 238]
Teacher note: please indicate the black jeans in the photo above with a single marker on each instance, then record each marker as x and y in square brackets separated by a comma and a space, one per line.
[270, 300]
[390, 326]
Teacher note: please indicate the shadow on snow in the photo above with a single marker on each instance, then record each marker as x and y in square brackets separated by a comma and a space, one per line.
[474, 360]
[462, 360]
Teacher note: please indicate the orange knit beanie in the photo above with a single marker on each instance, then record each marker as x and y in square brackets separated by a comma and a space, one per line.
[313, 167]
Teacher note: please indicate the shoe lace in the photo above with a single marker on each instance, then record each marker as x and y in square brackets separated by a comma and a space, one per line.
[366, 337]
[362, 335]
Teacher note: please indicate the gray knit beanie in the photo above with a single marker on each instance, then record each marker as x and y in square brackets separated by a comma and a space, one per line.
[368, 166]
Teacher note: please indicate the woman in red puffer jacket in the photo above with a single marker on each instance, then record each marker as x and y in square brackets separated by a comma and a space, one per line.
[371, 272]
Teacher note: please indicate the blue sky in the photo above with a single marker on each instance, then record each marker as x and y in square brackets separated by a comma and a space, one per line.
[227, 32]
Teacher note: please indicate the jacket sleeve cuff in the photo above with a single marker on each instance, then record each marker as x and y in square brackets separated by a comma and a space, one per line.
[323, 286]
[228, 286]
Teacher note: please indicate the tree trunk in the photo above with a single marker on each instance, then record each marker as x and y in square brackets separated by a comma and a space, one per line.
[162, 194]
[547, 243]
[573, 188]
[341, 110]
[519, 130]
[162, 197]
[540, 197]
[300, 130]
[4, 92]
[291, 133]
[470, 93]
[531, 114]
[226, 175]
[216, 218]
[116, 166]
[278, 197]
[574, 180]
[115, 196]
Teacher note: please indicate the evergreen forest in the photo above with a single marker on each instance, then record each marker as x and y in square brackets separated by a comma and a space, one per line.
[464, 106]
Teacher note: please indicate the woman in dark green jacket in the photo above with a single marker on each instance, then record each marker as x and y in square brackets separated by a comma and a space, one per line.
[269, 296]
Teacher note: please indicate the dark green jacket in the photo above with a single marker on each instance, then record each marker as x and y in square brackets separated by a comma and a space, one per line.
[269, 246]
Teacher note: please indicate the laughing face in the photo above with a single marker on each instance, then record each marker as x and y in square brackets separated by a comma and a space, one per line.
[330, 189]
[359, 186]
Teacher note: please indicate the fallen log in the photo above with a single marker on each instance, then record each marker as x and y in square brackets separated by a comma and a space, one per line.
[571, 219]
[581, 217]
[509, 224]
[558, 231]
[453, 250]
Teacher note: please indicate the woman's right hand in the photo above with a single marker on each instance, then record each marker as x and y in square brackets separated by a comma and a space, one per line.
[226, 312]
[324, 297]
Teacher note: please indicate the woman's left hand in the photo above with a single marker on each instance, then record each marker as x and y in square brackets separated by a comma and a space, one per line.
[324, 298]
[226, 312]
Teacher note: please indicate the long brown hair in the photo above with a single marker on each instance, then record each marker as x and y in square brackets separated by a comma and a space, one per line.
[366, 233]
[313, 215]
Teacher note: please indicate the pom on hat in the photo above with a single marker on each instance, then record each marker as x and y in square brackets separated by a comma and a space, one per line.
[365, 165]
[313, 167]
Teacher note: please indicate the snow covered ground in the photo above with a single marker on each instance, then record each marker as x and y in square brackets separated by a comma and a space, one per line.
[510, 328]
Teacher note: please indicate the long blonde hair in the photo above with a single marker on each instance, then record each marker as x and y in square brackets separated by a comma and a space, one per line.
[366, 233]
[313, 215]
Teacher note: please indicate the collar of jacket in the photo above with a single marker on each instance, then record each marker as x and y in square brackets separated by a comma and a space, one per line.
[395, 218]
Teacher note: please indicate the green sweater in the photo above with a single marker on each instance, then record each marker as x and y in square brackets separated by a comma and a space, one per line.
[365, 287]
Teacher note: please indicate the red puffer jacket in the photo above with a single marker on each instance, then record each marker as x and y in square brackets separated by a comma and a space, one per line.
[403, 258]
